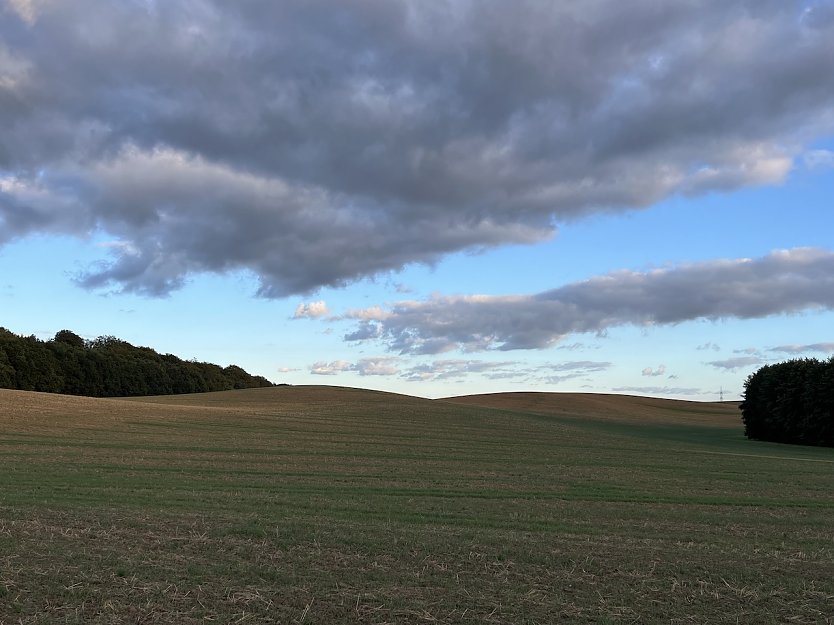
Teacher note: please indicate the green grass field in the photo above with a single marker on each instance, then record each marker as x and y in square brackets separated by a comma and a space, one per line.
[325, 505]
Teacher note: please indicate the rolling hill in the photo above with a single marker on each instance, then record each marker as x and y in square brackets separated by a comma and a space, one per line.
[333, 505]
[628, 408]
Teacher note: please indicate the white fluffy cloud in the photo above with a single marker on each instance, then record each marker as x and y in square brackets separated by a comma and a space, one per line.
[653, 373]
[315, 143]
[311, 310]
[330, 368]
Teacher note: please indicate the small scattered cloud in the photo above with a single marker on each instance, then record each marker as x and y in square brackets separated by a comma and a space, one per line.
[824, 348]
[564, 371]
[747, 350]
[371, 313]
[586, 366]
[709, 346]
[365, 331]
[659, 390]
[459, 369]
[572, 347]
[382, 366]
[330, 368]
[312, 310]
[456, 369]
[819, 159]
[648, 371]
[740, 362]
[286, 370]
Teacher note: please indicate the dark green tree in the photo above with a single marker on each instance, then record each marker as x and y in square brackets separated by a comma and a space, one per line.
[108, 367]
[791, 402]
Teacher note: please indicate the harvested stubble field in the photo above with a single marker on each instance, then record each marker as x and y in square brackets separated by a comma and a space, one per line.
[327, 505]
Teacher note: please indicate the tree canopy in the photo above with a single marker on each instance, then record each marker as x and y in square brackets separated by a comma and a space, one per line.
[791, 402]
[108, 367]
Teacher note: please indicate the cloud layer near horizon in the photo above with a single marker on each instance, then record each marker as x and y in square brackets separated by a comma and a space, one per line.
[315, 143]
[456, 369]
[783, 282]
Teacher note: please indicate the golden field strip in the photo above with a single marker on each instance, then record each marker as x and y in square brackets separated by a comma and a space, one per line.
[332, 505]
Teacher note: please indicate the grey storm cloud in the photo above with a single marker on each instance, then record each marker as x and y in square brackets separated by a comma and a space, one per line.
[314, 143]
[783, 282]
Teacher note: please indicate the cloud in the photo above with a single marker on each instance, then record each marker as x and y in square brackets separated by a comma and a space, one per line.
[707, 346]
[561, 372]
[459, 369]
[383, 366]
[25, 9]
[648, 371]
[585, 366]
[313, 310]
[783, 282]
[577, 346]
[819, 159]
[825, 348]
[287, 370]
[377, 366]
[740, 362]
[330, 368]
[314, 144]
[659, 390]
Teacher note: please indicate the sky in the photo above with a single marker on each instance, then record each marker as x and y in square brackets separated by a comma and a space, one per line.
[432, 198]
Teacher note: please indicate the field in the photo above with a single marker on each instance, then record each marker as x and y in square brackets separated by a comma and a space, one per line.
[327, 505]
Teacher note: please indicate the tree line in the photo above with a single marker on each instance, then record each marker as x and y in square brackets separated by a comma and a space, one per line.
[791, 402]
[108, 367]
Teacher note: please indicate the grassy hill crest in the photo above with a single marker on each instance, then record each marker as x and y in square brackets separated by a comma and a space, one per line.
[631, 408]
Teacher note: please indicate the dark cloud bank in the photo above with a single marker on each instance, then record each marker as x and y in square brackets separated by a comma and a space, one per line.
[784, 282]
[314, 142]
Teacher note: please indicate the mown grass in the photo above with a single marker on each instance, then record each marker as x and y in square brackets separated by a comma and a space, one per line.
[320, 505]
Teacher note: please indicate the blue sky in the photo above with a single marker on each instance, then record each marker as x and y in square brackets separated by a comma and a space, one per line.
[648, 215]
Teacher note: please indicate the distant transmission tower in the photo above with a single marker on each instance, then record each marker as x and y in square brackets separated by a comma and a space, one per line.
[721, 394]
